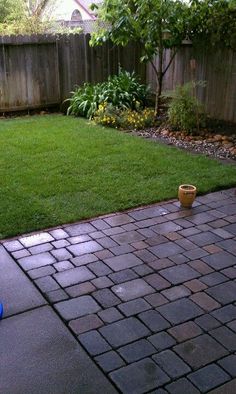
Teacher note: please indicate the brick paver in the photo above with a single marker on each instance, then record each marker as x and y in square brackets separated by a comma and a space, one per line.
[150, 293]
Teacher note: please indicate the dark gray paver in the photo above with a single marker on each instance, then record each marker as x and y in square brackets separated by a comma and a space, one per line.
[123, 276]
[122, 262]
[80, 229]
[209, 377]
[182, 386]
[179, 274]
[213, 279]
[46, 284]
[172, 364]
[84, 248]
[130, 290]
[167, 249]
[139, 377]
[156, 299]
[137, 350]
[224, 293]
[61, 254]
[17, 293]
[102, 282]
[200, 351]
[85, 259]
[143, 270]
[229, 364]
[204, 238]
[37, 341]
[106, 298]
[124, 331]
[162, 341]
[77, 307]
[109, 361]
[134, 307]
[110, 315]
[225, 336]
[166, 227]
[207, 322]
[36, 261]
[94, 343]
[56, 296]
[73, 276]
[225, 314]
[180, 311]
[118, 220]
[63, 266]
[40, 272]
[39, 249]
[154, 321]
[128, 237]
[227, 388]
[231, 228]
[220, 260]
[99, 268]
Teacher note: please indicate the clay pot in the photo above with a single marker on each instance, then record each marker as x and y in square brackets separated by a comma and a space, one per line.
[187, 195]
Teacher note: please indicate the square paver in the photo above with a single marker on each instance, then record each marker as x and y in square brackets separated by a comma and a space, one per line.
[137, 350]
[85, 323]
[199, 351]
[224, 293]
[180, 311]
[220, 260]
[154, 321]
[185, 331]
[167, 249]
[124, 331]
[122, 262]
[134, 307]
[139, 377]
[179, 274]
[73, 276]
[157, 281]
[225, 336]
[225, 314]
[134, 289]
[77, 307]
[209, 377]
[36, 261]
[109, 361]
[128, 237]
[205, 238]
[162, 341]
[123, 276]
[94, 343]
[172, 364]
[84, 248]
[79, 229]
[229, 364]
[106, 298]
[181, 386]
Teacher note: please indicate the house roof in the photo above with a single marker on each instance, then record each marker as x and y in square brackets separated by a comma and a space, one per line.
[85, 4]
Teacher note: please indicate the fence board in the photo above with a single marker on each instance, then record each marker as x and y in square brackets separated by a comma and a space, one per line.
[217, 68]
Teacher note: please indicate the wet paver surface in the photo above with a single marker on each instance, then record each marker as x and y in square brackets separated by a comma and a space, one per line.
[149, 294]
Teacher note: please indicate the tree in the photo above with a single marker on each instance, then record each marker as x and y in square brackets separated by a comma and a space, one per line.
[156, 24]
[11, 10]
[164, 24]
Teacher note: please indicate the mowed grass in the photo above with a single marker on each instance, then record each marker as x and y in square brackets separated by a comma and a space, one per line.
[56, 169]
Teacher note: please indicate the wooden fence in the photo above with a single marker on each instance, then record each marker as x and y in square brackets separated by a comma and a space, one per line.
[216, 67]
[40, 71]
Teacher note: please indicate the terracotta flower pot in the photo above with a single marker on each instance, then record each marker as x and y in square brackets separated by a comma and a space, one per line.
[187, 195]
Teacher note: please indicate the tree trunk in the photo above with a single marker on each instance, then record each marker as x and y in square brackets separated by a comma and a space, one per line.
[159, 80]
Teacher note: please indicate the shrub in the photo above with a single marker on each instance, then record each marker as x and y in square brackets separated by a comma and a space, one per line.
[128, 119]
[185, 112]
[122, 91]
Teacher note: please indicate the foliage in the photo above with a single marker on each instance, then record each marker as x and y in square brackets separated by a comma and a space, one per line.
[156, 24]
[128, 119]
[161, 24]
[185, 111]
[122, 91]
[213, 23]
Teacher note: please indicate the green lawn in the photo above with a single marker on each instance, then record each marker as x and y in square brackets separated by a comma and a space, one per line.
[56, 169]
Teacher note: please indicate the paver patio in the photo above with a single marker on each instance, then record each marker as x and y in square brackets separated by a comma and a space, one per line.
[149, 295]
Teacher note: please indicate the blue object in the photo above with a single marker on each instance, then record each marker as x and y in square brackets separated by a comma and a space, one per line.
[1, 311]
